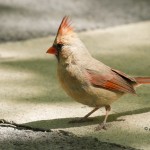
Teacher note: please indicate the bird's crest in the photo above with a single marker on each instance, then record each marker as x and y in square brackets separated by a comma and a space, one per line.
[65, 27]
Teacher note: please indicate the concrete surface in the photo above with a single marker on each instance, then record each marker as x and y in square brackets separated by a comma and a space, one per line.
[24, 19]
[30, 93]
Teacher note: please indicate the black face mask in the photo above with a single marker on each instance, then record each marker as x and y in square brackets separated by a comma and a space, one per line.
[58, 48]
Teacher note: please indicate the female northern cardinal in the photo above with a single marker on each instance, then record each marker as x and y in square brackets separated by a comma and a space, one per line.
[86, 79]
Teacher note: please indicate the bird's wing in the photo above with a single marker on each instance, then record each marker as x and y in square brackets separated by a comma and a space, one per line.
[130, 79]
[113, 80]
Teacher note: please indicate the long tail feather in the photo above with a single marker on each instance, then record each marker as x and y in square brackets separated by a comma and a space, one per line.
[142, 80]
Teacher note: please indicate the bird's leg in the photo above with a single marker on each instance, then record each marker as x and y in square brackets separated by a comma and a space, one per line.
[103, 124]
[84, 119]
[91, 112]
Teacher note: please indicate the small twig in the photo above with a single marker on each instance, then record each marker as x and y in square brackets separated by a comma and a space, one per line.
[5, 123]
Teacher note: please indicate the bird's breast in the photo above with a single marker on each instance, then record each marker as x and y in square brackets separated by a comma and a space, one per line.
[75, 84]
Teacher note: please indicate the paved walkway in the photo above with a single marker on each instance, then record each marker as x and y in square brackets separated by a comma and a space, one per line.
[30, 94]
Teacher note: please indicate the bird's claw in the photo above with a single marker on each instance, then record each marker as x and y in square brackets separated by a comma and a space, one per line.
[100, 127]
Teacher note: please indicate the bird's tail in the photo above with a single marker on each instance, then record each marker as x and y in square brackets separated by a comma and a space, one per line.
[142, 80]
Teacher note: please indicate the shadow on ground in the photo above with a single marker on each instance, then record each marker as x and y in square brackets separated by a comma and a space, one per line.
[64, 122]
[44, 78]
[29, 88]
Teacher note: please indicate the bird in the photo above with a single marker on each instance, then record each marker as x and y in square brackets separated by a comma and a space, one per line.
[86, 79]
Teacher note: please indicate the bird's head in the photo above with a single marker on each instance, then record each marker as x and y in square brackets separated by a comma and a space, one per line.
[66, 42]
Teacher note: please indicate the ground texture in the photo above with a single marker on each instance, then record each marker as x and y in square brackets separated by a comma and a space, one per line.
[30, 94]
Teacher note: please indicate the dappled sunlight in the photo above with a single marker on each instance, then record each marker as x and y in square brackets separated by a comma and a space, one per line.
[18, 84]
[35, 48]
[123, 128]
[134, 63]
[20, 92]
[132, 102]
[26, 112]
[9, 75]
[30, 93]
[58, 114]
[32, 80]
[128, 132]
[127, 135]
[118, 40]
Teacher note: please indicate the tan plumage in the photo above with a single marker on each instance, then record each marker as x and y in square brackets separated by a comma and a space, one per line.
[86, 79]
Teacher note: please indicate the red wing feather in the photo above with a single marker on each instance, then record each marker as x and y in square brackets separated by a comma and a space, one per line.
[111, 81]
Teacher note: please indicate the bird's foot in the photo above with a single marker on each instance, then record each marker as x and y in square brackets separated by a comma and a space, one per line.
[81, 120]
[101, 126]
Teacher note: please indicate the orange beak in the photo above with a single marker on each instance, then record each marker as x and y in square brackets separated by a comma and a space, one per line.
[51, 50]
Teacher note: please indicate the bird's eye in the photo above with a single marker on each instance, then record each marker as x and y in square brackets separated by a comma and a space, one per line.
[59, 46]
